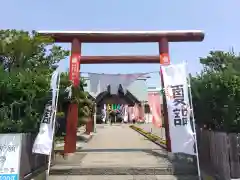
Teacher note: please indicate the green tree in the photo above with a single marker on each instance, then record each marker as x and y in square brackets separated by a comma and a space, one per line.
[79, 96]
[26, 63]
[21, 49]
[216, 92]
[218, 61]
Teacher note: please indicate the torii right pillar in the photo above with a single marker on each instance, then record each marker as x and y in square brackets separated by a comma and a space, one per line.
[164, 61]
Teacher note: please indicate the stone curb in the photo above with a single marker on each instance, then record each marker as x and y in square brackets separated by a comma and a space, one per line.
[117, 171]
[155, 139]
[38, 174]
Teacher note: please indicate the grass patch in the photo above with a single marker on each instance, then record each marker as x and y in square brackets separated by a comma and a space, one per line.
[57, 141]
[59, 148]
[149, 135]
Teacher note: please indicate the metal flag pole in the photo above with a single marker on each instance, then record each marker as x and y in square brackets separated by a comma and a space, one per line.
[95, 118]
[193, 122]
[54, 122]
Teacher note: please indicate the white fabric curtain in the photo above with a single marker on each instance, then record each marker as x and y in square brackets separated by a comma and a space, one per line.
[94, 83]
[99, 82]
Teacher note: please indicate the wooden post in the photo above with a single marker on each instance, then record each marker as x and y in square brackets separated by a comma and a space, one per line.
[72, 117]
[143, 110]
[165, 60]
[89, 125]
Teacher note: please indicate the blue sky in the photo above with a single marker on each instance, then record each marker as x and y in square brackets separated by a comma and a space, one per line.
[219, 19]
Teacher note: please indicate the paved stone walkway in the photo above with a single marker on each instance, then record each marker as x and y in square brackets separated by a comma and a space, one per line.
[115, 148]
[120, 146]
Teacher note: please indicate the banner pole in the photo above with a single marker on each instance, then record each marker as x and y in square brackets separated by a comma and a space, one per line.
[54, 122]
[193, 122]
[95, 118]
[165, 114]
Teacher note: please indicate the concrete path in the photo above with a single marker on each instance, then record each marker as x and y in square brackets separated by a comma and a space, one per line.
[120, 146]
[115, 152]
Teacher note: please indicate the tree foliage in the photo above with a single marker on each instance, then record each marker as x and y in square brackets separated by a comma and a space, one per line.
[26, 63]
[216, 92]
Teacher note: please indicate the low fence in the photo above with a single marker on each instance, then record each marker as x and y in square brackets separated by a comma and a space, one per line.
[219, 153]
[29, 162]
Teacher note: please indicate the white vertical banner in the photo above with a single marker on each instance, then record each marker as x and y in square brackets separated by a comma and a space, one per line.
[44, 140]
[104, 113]
[125, 116]
[176, 90]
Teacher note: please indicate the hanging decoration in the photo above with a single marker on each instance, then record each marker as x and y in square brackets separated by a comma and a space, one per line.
[100, 82]
[114, 107]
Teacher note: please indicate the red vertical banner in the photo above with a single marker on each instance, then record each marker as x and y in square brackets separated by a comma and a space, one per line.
[136, 112]
[141, 113]
[154, 101]
[74, 71]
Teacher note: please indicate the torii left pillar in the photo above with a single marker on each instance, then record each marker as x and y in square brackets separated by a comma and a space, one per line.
[72, 116]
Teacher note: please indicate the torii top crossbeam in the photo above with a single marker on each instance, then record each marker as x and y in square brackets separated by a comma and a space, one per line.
[124, 36]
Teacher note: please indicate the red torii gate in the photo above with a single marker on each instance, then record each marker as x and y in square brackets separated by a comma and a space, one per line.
[76, 38]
